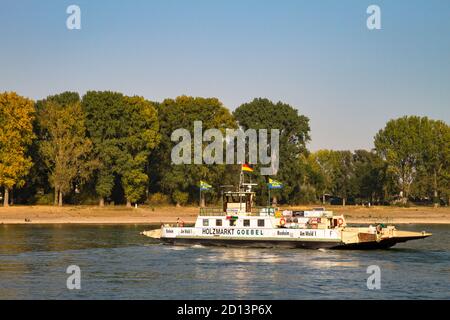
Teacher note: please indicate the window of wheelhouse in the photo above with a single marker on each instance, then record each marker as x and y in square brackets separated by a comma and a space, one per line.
[260, 222]
[246, 223]
[205, 222]
[232, 222]
[218, 222]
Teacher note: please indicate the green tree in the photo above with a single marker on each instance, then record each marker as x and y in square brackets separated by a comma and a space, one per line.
[416, 150]
[16, 134]
[181, 113]
[104, 121]
[337, 170]
[181, 198]
[294, 133]
[438, 160]
[139, 136]
[124, 131]
[343, 185]
[323, 166]
[369, 175]
[313, 180]
[66, 150]
[432, 178]
[400, 144]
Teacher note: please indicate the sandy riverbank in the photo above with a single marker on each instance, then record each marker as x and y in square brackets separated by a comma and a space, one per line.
[146, 215]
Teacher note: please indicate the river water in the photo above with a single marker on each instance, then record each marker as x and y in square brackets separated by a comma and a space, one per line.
[116, 262]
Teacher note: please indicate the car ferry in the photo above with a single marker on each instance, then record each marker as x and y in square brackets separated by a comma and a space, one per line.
[239, 223]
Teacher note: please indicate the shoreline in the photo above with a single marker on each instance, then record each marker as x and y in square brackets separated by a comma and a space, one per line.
[120, 215]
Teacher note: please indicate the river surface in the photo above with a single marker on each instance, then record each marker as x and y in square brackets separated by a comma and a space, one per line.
[116, 262]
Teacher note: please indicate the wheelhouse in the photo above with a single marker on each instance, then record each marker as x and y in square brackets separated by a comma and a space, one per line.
[238, 202]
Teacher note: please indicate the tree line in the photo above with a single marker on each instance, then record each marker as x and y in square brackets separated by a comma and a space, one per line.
[106, 147]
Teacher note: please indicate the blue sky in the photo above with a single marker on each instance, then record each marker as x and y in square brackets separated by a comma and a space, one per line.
[317, 56]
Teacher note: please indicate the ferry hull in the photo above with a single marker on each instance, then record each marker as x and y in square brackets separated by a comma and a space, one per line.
[292, 244]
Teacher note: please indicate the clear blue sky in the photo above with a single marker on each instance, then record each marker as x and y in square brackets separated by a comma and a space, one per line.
[317, 56]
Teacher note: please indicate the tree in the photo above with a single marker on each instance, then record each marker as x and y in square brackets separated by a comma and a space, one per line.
[322, 163]
[16, 134]
[343, 185]
[184, 178]
[314, 180]
[417, 152]
[400, 144]
[436, 157]
[124, 131]
[294, 133]
[338, 171]
[39, 175]
[369, 175]
[66, 150]
[139, 136]
[104, 120]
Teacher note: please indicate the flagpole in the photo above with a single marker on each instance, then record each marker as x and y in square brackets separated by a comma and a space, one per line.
[268, 200]
[241, 179]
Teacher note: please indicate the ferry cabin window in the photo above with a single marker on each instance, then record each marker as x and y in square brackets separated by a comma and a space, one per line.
[232, 223]
[246, 223]
[205, 222]
[260, 222]
[218, 222]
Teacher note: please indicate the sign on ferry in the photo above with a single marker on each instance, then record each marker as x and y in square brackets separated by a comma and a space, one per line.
[232, 232]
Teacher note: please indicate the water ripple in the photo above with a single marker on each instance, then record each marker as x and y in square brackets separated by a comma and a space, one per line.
[117, 263]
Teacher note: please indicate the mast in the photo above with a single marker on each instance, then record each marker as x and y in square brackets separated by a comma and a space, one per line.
[241, 186]
[241, 180]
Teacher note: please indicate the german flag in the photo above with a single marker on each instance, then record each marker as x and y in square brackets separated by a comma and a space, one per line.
[246, 167]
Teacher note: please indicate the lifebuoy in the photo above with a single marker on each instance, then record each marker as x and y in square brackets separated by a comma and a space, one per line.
[340, 222]
[282, 221]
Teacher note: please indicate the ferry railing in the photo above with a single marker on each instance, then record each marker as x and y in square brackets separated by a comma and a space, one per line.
[212, 212]
[256, 211]
[263, 211]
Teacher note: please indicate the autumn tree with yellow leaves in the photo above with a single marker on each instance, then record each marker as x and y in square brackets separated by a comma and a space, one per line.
[16, 134]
